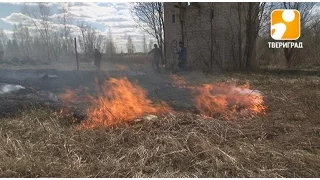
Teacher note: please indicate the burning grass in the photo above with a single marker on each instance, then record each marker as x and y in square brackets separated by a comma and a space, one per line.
[229, 101]
[178, 81]
[225, 100]
[117, 101]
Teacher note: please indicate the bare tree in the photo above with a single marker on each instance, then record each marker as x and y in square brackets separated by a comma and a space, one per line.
[97, 39]
[40, 18]
[12, 48]
[89, 38]
[254, 17]
[251, 17]
[144, 44]
[82, 36]
[58, 44]
[65, 20]
[39, 45]
[149, 17]
[305, 9]
[8, 48]
[315, 29]
[3, 40]
[130, 46]
[110, 46]
[23, 38]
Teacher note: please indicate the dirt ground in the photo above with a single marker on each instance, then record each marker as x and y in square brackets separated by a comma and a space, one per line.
[283, 143]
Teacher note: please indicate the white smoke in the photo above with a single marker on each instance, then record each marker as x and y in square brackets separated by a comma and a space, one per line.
[6, 88]
[247, 91]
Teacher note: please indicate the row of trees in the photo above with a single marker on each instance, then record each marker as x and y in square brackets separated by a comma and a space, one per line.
[145, 47]
[51, 37]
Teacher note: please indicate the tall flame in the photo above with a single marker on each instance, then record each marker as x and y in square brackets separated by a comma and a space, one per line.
[117, 101]
[228, 100]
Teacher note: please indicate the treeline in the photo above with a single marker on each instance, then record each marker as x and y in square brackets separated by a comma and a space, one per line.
[50, 37]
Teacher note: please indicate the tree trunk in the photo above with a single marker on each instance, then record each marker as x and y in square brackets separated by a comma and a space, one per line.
[211, 39]
[252, 30]
[181, 9]
[161, 47]
[76, 52]
[164, 44]
[48, 51]
[158, 40]
[288, 52]
[240, 58]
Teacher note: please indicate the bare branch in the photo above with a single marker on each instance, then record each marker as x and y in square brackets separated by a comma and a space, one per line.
[149, 17]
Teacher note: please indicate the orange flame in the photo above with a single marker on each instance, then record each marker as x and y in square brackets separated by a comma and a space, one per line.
[229, 101]
[70, 96]
[119, 101]
[178, 81]
[63, 113]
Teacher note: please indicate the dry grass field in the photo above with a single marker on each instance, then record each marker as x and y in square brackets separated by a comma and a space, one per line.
[285, 142]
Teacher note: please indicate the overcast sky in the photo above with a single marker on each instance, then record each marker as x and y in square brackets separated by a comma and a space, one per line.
[101, 15]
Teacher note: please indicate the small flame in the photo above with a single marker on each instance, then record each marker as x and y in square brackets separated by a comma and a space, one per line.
[229, 101]
[118, 101]
[64, 112]
[122, 68]
[70, 96]
[178, 81]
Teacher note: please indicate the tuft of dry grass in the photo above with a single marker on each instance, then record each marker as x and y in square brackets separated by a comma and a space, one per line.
[283, 143]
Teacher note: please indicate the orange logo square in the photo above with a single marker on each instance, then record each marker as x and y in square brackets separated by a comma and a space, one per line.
[285, 24]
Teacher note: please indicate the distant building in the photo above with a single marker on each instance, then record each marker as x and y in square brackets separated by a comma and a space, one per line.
[227, 19]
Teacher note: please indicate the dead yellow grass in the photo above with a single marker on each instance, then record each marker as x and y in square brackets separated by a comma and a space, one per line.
[38, 145]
